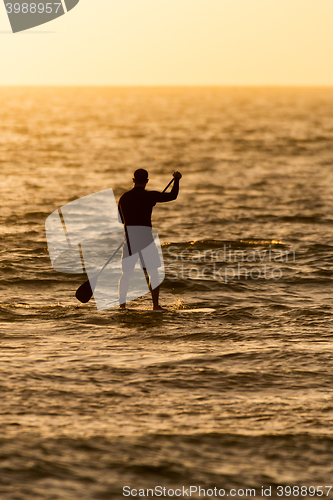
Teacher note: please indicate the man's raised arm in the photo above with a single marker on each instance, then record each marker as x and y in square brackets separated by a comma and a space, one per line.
[160, 197]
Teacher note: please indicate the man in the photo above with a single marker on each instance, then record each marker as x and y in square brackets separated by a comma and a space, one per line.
[135, 209]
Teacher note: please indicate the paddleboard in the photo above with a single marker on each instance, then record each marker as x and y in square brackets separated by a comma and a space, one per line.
[199, 310]
[205, 310]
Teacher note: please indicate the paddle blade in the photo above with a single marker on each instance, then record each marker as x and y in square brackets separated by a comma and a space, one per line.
[86, 290]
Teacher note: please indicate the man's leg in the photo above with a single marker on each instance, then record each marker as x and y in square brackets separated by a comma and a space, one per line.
[123, 287]
[154, 289]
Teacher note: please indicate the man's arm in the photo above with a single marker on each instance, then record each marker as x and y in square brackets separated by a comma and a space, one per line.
[161, 197]
[120, 212]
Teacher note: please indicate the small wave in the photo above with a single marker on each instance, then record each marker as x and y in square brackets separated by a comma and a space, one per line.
[232, 244]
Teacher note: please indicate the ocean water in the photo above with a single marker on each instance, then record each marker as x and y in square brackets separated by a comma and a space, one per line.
[239, 398]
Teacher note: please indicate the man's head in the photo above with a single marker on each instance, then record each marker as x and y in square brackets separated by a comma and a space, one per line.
[140, 177]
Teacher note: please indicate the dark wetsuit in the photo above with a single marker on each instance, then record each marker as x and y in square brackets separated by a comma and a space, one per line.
[135, 209]
[136, 205]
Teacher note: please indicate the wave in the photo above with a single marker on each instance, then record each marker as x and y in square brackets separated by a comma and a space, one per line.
[232, 244]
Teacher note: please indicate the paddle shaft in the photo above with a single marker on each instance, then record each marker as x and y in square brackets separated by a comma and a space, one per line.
[168, 185]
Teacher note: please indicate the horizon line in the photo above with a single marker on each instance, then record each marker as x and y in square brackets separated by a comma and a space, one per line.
[171, 85]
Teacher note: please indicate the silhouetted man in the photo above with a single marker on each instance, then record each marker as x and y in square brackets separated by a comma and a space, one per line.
[135, 208]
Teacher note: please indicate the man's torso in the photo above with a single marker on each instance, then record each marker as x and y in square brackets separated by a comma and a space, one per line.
[136, 207]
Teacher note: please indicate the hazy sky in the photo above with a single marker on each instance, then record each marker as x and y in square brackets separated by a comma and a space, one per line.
[185, 42]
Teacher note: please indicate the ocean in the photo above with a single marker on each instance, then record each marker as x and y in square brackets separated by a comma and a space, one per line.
[111, 404]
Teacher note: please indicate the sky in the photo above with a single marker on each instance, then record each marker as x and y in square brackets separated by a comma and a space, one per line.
[174, 42]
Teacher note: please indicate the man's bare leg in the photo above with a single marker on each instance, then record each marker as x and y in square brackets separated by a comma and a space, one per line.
[123, 287]
[154, 295]
[155, 292]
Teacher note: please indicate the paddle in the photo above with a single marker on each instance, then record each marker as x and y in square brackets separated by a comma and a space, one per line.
[86, 290]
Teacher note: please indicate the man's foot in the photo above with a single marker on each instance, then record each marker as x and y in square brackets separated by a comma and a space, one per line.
[159, 308]
[122, 306]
